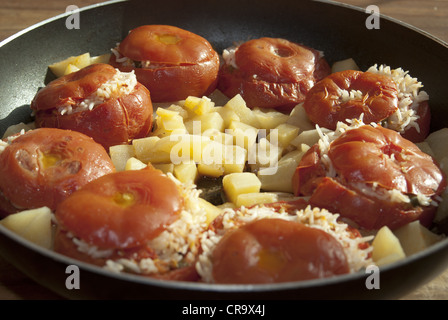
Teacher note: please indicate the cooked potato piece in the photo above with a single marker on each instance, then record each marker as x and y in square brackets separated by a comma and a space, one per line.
[299, 118]
[283, 134]
[199, 106]
[146, 152]
[278, 178]
[164, 167]
[215, 170]
[342, 65]
[238, 105]
[251, 199]
[103, 58]
[308, 137]
[207, 121]
[120, 154]
[71, 68]
[188, 147]
[437, 141]
[235, 184]
[244, 135]
[186, 172]
[211, 210]
[270, 118]
[134, 164]
[228, 115]
[414, 237]
[386, 247]
[235, 159]
[59, 68]
[17, 128]
[33, 225]
[264, 154]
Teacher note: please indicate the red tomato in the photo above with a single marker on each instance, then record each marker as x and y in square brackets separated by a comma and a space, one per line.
[369, 163]
[272, 73]
[116, 120]
[121, 210]
[171, 62]
[44, 166]
[276, 250]
[326, 106]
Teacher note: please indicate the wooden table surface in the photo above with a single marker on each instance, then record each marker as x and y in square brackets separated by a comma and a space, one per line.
[430, 16]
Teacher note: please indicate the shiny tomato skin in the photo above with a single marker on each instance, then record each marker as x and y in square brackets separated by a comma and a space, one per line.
[117, 120]
[181, 63]
[130, 208]
[73, 87]
[381, 160]
[325, 107]
[276, 250]
[44, 166]
[272, 73]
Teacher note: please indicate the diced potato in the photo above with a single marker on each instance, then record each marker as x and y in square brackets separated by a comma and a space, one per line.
[299, 118]
[103, 58]
[134, 164]
[219, 137]
[199, 106]
[425, 147]
[226, 205]
[186, 172]
[211, 210]
[33, 225]
[179, 109]
[211, 170]
[235, 184]
[414, 237]
[169, 121]
[189, 147]
[437, 141]
[283, 134]
[244, 135]
[264, 154]
[251, 199]
[386, 247]
[279, 179]
[269, 118]
[228, 115]
[71, 68]
[342, 65]
[211, 120]
[235, 159]
[81, 61]
[146, 152]
[308, 137]
[164, 167]
[245, 114]
[16, 128]
[120, 154]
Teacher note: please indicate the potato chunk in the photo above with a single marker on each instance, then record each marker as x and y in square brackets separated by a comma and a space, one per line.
[414, 237]
[386, 247]
[235, 184]
[33, 225]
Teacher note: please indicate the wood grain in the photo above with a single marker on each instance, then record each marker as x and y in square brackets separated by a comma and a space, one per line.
[430, 16]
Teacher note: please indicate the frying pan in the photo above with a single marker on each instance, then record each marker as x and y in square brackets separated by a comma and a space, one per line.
[337, 30]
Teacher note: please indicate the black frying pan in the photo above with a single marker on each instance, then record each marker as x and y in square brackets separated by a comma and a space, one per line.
[338, 30]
